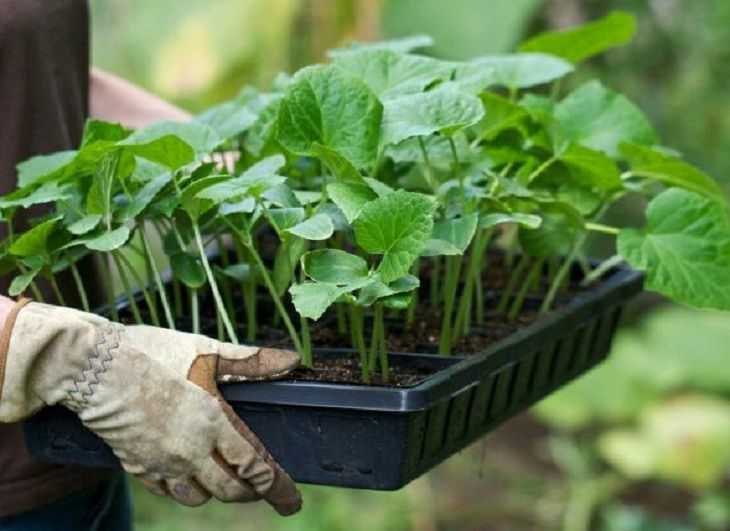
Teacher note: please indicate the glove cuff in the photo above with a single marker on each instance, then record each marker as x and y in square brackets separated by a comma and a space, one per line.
[5, 338]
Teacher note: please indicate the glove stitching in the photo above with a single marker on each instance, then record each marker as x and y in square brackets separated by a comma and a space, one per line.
[103, 354]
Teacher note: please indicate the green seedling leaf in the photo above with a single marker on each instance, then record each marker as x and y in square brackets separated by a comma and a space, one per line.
[21, 282]
[35, 241]
[36, 168]
[282, 196]
[583, 42]
[499, 114]
[651, 164]
[334, 266]
[107, 241]
[193, 199]
[285, 218]
[328, 106]
[188, 269]
[390, 74]
[600, 119]
[244, 206]
[375, 289]
[521, 70]
[684, 249]
[307, 197]
[379, 187]
[437, 147]
[101, 131]
[286, 260]
[341, 168]
[402, 45]
[85, 224]
[168, 151]
[311, 299]
[397, 226]
[529, 221]
[144, 197]
[439, 111]
[261, 136]
[228, 119]
[451, 236]
[318, 227]
[241, 271]
[197, 135]
[399, 301]
[255, 181]
[591, 168]
[556, 235]
[350, 197]
[99, 199]
[46, 193]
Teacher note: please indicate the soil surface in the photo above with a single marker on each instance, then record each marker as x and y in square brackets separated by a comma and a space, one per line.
[347, 371]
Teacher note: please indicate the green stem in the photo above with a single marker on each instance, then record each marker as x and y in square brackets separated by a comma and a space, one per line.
[151, 304]
[430, 177]
[374, 343]
[357, 323]
[37, 293]
[435, 277]
[341, 320]
[56, 290]
[80, 286]
[195, 310]
[604, 229]
[157, 277]
[451, 282]
[519, 300]
[601, 269]
[214, 285]
[463, 314]
[541, 168]
[225, 283]
[511, 283]
[558, 280]
[105, 267]
[127, 288]
[384, 369]
[248, 288]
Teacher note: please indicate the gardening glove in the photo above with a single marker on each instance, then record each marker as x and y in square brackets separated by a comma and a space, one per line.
[151, 395]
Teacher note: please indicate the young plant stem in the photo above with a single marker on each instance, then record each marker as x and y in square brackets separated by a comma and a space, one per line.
[384, 369]
[80, 286]
[456, 167]
[149, 255]
[473, 268]
[56, 290]
[341, 320]
[37, 293]
[411, 313]
[356, 319]
[451, 283]
[106, 269]
[511, 283]
[430, 177]
[248, 288]
[604, 229]
[195, 310]
[151, 304]
[601, 269]
[127, 288]
[519, 300]
[435, 277]
[547, 303]
[220, 307]
[225, 282]
[307, 358]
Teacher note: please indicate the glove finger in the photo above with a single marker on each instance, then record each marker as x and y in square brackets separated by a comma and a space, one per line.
[186, 491]
[220, 480]
[237, 363]
[247, 456]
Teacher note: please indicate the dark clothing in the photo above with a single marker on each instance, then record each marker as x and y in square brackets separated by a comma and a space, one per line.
[44, 78]
[105, 506]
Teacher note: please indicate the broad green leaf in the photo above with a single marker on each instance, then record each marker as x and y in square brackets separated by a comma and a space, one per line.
[334, 266]
[520, 70]
[282, 196]
[255, 180]
[194, 201]
[228, 119]
[390, 74]
[397, 226]
[197, 135]
[34, 242]
[311, 299]
[285, 262]
[399, 301]
[341, 168]
[21, 282]
[601, 119]
[99, 130]
[85, 224]
[649, 163]
[456, 233]
[285, 218]
[583, 42]
[591, 168]
[557, 233]
[530, 221]
[684, 249]
[240, 271]
[380, 188]
[318, 227]
[442, 111]
[188, 269]
[499, 114]
[261, 136]
[402, 45]
[98, 201]
[107, 241]
[437, 147]
[35, 168]
[328, 106]
[144, 197]
[169, 151]
[350, 197]
[375, 289]
[46, 193]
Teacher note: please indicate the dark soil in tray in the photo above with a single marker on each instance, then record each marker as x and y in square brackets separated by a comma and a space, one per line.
[346, 370]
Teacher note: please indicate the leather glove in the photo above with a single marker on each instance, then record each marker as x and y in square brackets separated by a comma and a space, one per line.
[151, 395]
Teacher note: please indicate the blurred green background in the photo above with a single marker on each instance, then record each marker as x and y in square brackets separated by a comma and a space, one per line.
[643, 442]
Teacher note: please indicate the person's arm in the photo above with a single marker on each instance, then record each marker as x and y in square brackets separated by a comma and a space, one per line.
[113, 99]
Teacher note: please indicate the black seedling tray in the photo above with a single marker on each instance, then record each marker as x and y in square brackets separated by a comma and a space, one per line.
[381, 438]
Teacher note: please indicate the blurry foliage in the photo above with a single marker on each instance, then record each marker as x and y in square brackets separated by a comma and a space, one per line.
[666, 378]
